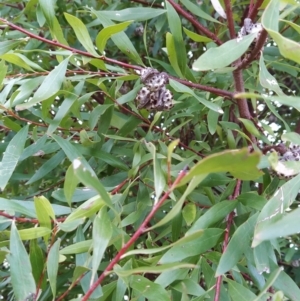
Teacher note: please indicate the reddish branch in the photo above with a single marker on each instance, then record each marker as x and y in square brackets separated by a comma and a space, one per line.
[237, 74]
[148, 3]
[28, 220]
[226, 238]
[230, 21]
[254, 9]
[218, 92]
[198, 26]
[254, 53]
[142, 229]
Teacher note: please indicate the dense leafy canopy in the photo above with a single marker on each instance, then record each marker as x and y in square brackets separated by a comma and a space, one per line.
[103, 198]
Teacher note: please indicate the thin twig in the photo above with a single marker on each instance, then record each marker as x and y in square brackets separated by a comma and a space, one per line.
[230, 217]
[148, 3]
[74, 50]
[254, 10]
[198, 26]
[252, 56]
[230, 21]
[237, 74]
[142, 229]
[216, 91]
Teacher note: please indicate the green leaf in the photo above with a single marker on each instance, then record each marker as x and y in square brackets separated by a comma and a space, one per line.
[286, 284]
[239, 292]
[48, 11]
[196, 37]
[153, 269]
[180, 241]
[194, 247]
[52, 266]
[120, 39]
[90, 180]
[189, 213]
[72, 152]
[176, 30]
[288, 48]
[291, 137]
[148, 289]
[64, 108]
[196, 10]
[70, 184]
[274, 221]
[102, 232]
[5, 46]
[20, 268]
[11, 156]
[224, 55]
[82, 34]
[184, 89]
[250, 127]
[31, 233]
[50, 86]
[107, 32]
[16, 206]
[159, 177]
[44, 211]
[133, 13]
[240, 163]
[266, 79]
[85, 210]
[241, 238]
[47, 167]
[16, 59]
[213, 215]
[172, 55]
[77, 248]
[37, 260]
[271, 279]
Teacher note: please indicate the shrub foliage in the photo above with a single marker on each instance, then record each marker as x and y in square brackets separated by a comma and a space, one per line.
[149, 150]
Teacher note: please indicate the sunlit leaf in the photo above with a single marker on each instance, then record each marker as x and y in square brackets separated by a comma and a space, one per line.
[11, 156]
[224, 55]
[107, 32]
[82, 33]
[52, 265]
[49, 86]
[20, 268]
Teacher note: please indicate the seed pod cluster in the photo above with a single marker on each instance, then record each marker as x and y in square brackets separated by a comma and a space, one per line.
[154, 95]
[248, 28]
[291, 153]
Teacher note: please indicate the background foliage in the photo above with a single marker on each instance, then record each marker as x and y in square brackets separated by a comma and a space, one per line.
[103, 201]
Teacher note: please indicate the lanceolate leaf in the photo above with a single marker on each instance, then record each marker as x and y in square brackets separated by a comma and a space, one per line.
[52, 266]
[82, 34]
[102, 232]
[240, 163]
[224, 55]
[50, 86]
[107, 32]
[238, 244]
[11, 156]
[274, 221]
[270, 19]
[20, 268]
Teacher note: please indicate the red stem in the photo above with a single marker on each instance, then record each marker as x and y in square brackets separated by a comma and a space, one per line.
[142, 229]
[254, 9]
[230, 21]
[258, 47]
[198, 26]
[226, 238]
[216, 91]
[237, 74]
